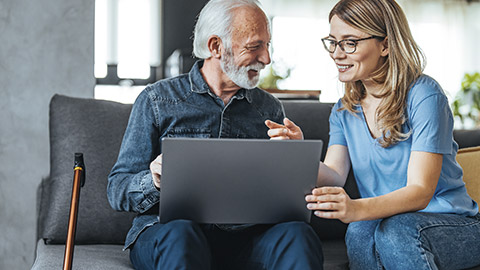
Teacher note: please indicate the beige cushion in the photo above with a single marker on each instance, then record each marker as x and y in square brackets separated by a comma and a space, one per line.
[469, 159]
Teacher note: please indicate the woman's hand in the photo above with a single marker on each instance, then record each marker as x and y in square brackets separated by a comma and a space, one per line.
[287, 131]
[332, 203]
[156, 170]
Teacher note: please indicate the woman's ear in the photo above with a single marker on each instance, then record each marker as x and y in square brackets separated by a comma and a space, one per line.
[214, 44]
[385, 49]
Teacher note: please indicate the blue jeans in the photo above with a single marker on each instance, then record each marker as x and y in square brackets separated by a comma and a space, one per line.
[183, 244]
[415, 241]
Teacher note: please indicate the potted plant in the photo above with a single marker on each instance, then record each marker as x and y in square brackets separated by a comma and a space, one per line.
[270, 80]
[467, 102]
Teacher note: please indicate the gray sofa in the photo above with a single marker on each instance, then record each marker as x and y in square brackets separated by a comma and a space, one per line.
[95, 128]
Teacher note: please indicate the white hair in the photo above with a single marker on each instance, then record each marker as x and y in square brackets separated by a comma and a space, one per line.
[216, 19]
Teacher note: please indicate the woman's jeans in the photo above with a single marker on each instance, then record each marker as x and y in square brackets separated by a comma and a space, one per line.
[415, 241]
[183, 244]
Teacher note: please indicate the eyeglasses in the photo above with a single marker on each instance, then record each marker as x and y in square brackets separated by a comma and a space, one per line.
[347, 45]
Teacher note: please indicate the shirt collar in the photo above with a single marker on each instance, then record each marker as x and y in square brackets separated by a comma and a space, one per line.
[244, 93]
[197, 82]
[200, 86]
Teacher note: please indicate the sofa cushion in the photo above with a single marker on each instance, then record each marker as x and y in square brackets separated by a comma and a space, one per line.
[94, 128]
[90, 257]
[334, 254]
[87, 257]
[469, 159]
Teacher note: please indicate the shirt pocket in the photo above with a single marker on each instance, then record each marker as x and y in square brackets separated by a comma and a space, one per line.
[189, 133]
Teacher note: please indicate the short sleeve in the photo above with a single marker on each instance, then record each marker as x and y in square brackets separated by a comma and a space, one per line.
[337, 134]
[431, 123]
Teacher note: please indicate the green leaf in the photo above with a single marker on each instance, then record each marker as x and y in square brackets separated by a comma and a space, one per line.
[469, 94]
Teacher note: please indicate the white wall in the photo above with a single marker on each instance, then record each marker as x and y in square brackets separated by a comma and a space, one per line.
[46, 47]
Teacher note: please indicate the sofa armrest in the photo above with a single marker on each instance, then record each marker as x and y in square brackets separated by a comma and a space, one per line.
[40, 200]
[467, 137]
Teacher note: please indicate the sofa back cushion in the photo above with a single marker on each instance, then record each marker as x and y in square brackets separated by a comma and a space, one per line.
[467, 137]
[94, 128]
[312, 117]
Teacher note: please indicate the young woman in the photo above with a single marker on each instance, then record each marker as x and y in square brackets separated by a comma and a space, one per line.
[395, 128]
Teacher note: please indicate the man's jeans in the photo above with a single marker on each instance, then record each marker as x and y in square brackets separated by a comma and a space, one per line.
[415, 241]
[183, 244]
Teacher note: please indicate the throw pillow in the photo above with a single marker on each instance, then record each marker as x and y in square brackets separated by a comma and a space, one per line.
[469, 159]
[94, 128]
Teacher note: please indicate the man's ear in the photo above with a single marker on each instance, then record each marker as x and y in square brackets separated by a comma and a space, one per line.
[385, 49]
[215, 46]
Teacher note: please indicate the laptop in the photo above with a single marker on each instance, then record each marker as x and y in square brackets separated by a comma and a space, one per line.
[237, 181]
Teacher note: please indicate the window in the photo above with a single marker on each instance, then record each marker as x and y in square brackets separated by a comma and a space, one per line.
[296, 46]
[447, 31]
[127, 46]
[127, 42]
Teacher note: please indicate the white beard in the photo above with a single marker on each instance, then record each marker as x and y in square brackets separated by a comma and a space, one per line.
[239, 75]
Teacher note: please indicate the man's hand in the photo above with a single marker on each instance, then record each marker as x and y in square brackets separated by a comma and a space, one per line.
[287, 131]
[156, 169]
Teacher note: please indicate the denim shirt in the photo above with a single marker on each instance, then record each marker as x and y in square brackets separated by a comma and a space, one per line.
[182, 106]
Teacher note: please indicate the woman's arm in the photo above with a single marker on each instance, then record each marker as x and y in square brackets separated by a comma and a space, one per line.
[423, 173]
[334, 170]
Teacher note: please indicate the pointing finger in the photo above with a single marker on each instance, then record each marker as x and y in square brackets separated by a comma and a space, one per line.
[270, 124]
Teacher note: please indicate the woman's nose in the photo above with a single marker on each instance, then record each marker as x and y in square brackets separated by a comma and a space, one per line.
[338, 53]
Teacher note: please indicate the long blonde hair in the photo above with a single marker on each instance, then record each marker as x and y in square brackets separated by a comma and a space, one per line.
[404, 63]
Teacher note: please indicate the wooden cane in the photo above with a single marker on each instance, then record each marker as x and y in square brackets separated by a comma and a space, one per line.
[78, 181]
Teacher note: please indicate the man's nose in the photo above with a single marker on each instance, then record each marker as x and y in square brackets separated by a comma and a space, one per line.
[264, 56]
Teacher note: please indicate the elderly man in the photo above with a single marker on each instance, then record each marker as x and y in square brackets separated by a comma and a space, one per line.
[218, 98]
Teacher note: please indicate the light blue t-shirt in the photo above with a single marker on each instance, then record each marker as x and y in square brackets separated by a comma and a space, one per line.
[379, 170]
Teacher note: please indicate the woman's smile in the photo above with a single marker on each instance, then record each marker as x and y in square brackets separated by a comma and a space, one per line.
[343, 68]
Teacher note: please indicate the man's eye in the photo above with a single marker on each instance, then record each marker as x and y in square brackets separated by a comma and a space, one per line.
[349, 43]
[253, 48]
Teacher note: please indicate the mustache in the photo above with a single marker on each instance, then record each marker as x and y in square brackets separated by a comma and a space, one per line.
[256, 66]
